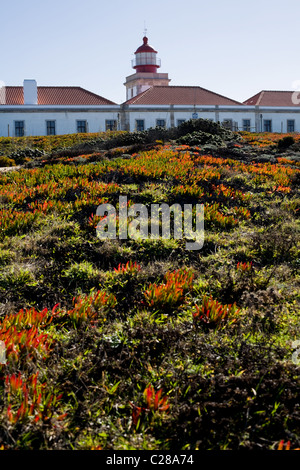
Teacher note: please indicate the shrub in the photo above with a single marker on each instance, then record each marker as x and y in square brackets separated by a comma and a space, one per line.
[128, 138]
[285, 142]
[6, 161]
[17, 278]
[200, 138]
[204, 125]
[6, 256]
[26, 154]
[265, 158]
[82, 274]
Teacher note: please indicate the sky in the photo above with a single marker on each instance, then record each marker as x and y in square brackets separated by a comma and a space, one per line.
[231, 47]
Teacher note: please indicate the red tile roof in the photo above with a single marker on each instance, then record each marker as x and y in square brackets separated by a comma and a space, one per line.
[180, 95]
[13, 95]
[273, 98]
[56, 95]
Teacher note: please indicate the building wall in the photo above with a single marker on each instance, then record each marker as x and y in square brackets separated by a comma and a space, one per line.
[65, 119]
[149, 117]
[173, 115]
[126, 117]
[237, 116]
[279, 118]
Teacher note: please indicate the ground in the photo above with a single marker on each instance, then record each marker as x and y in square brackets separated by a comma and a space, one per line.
[143, 344]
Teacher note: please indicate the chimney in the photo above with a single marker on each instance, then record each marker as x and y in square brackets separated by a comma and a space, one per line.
[2, 93]
[30, 92]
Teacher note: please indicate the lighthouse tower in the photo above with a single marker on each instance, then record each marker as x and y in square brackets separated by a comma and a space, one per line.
[146, 64]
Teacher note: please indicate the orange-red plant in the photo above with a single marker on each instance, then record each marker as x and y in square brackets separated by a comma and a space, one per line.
[287, 446]
[90, 307]
[171, 292]
[21, 333]
[247, 266]
[282, 446]
[29, 399]
[27, 317]
[129, 267]
[154, 402]
[213, 313]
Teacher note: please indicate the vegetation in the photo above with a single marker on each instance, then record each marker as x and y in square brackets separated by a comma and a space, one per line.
[139, 343]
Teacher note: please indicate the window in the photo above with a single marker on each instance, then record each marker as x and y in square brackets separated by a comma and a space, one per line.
[50, 127]
[160, 123]
[19, 128]
[146, 58]
[81, 126]
[267, 125]
[110, 124]
[246, 125]
[140, 124]
[180, 121]
[290, 125]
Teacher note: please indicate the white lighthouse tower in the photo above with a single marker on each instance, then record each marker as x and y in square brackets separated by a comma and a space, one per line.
[146, 64]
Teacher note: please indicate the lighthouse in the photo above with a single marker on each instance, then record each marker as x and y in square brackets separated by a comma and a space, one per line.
[146, 63]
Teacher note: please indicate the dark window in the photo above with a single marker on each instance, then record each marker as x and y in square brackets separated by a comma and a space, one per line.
[110, 124]
[50, 127]
[140, 125]
[180, 121]
[267, 125]
[160, 123]
[81, 126]
[290, 125]
[246, 125]
[19, 128]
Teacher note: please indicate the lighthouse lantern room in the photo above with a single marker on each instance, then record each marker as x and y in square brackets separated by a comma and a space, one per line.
[145, 58]
[145, 64]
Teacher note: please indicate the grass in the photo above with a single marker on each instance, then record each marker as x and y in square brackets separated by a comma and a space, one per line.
[142, 344]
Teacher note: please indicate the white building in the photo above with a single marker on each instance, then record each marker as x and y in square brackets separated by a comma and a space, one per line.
[150, 102]
[34, 110]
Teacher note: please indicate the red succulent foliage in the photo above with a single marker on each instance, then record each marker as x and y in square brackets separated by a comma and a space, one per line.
[155, 402]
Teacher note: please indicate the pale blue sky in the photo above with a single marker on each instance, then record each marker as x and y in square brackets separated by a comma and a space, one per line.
[231, 47]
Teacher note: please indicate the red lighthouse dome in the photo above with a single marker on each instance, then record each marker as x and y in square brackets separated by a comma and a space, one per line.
[145, 58]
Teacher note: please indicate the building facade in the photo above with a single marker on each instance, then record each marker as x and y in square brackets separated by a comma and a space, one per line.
[31, 110]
